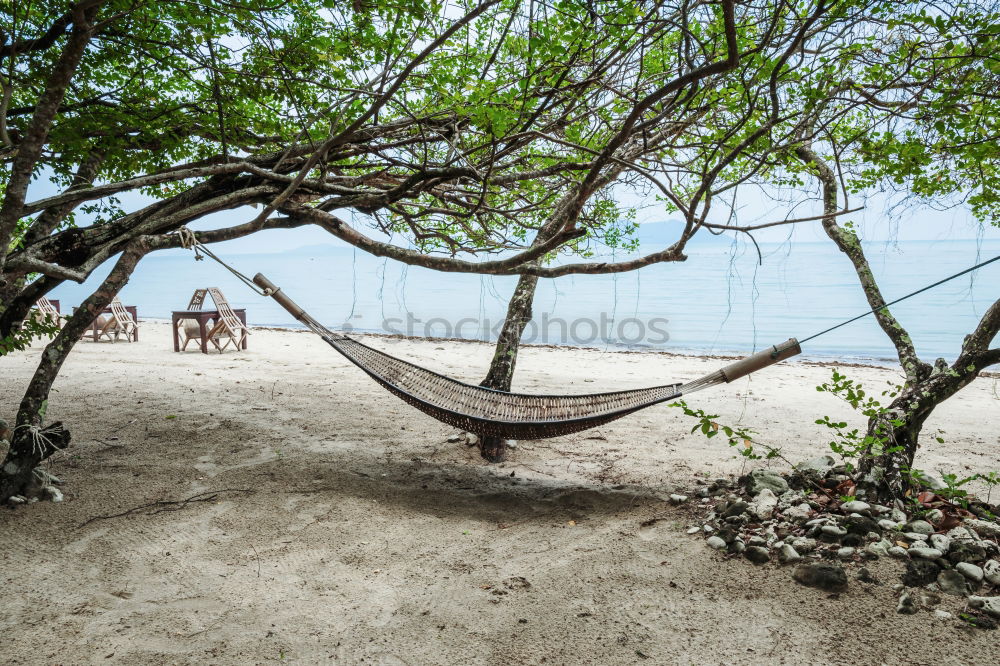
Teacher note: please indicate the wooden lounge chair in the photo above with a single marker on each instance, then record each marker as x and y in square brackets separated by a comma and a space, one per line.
[118, 322]
[44, 310]
[189, 328]
[228, 326]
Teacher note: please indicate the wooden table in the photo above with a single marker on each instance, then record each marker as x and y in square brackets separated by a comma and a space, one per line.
[95, 329]
[203, 317]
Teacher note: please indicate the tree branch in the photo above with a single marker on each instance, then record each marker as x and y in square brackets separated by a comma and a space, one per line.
[848, 243]
[30, 148]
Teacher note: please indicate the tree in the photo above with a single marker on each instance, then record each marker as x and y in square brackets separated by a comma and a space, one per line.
[470, 130]
[497, 126]
[938, 143]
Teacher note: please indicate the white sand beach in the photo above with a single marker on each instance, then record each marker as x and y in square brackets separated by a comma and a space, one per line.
[343, 527]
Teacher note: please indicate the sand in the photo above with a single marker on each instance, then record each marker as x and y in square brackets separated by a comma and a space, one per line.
[340, 525]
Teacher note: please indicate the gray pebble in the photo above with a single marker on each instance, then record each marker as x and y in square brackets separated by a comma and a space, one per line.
[970, 571]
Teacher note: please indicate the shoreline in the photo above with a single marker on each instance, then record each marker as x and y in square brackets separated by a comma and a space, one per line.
[818, 359]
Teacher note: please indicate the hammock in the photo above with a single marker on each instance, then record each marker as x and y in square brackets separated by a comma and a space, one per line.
[504, 415]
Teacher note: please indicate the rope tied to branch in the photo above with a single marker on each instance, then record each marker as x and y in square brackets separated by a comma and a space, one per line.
[190, 242]
[40, 442]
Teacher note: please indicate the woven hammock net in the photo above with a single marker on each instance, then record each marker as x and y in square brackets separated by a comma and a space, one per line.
[504, 415]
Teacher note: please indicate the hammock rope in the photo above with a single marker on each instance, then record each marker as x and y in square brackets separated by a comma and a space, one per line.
[505, 415]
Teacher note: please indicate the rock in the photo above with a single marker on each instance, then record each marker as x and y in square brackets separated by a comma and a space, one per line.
[898, 552]
[790, 497]
[920, 572]
[860, 525]
[759, 479]
[702, 492]
[757, 555]
[678, 499]
[876, 549]
[906, 604]
[853, 540]
[887, 524]
[694, 530]
[833, 531]
[953, 583]
[961, 533]
[511, 443]
[966, 551]
[819, 466]
[941, 542]
[797, 514]
[823, 575]
[53, 493]
[454, 438]
[915, 537]
[788, 555]
[803, 544]
[942, 614]
[970, 571]
[983, 528]
[756, 541]
[727, 534]
[845, 553]
[735, 508]
[855, 506]
[472, 439]
[919, 526]
[16, 499]
[865, 576]
[764, 504]
[707, 529]
[898, 516]
[989, 605]
[737, 546]
[715, 543]
[991, 572]
[925, 553]
[880, 509]
[934, 516]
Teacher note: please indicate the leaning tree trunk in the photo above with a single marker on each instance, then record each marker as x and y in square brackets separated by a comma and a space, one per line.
[30, 443]
[501, 371]
[15, 305]
[894, 435]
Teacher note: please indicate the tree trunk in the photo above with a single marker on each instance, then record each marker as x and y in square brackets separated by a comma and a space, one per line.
[29, 442]
[501, 372]
[14, 307]
[884, 470]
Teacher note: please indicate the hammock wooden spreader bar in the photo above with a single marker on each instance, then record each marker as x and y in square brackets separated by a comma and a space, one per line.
[491, 413]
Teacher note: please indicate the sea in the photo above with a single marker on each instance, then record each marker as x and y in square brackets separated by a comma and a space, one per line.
[729, 297]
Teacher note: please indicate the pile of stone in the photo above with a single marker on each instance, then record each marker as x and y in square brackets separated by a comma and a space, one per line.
[767, 517]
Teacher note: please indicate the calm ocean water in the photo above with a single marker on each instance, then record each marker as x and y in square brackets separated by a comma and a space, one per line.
[720, 300]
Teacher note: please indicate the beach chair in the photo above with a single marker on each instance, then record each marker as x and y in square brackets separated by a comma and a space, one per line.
[45, 310]
[228, 326]
[190, 329]
[118, 322]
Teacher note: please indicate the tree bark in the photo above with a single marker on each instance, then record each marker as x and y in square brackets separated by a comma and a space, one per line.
[14, 309]
[501, 372]
[26, 449]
